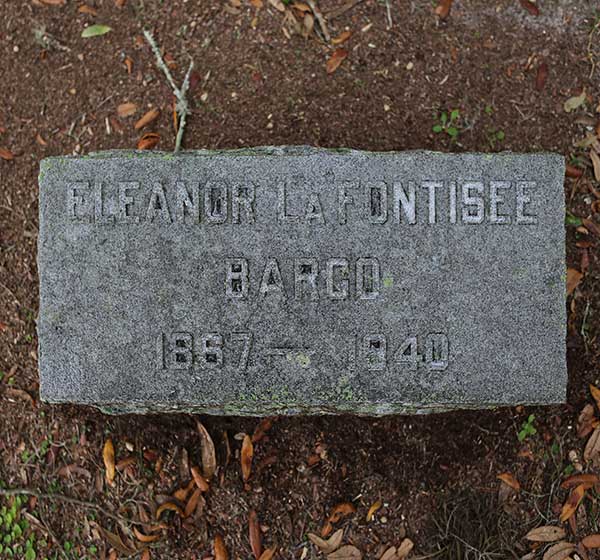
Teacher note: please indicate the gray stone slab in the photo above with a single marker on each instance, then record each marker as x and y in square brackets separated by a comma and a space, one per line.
[301, 280]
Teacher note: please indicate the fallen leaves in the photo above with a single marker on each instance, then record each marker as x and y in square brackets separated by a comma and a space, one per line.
[541, 76]
[341, 38]
[404, 549]
[346, 552]
[199, 479]
[254, 534]
[588, 480]
[530, 7]
[559, 551]
[142, 537]
[547, 533]
[509, 480]
[148, 141]
[335, 60]
[575, 102]
[148, 118]
[263, 427]
[339, 511]
[442, 10]
[572, 503]
[573, 279]
[329, 545]
[246, 457]
[169, 506]
[268, 554]
[592, 447]
[207, 447]
[372, 510]
[219, 548]
[591, 541]
[126, 109]
[193, 502]
[95, 30]
[595, 392]
[596, 163]
[108, 456]
[6, 154]
[54, 2]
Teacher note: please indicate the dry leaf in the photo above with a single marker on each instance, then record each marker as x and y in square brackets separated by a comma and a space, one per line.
[209, 458]
[260, 431]
[246, 457]
[128, 64]
[149, 117]
[120, 3]
[347, 552]
[257, 3]
[443, 8]
[404, 549]
[254, 534]
[595, 394]
[587, 480]
[40, 140]
[199, 479]
[541, 76]
[85, 9]
[192, 504]
[510, 480]
[573, 172]
[54, 2]
[574, 102]
[148, 141]
[268, 554]
[278, 5]
[530, 7]
[547, 533]
[329, 545]
[592, 447]
[169, 506]
[591, 541]
[219, 547]
[21, 394]
[372, 510]
[108, 455]
[341, 38]
[572, 502]
[585, 421]
[144, 538]
[126, 109]
[389, 554]
[335, 60]
[596, 163]
[115, 541]
[337, 513]
[573, 279]
[6, 154]
[559, 551]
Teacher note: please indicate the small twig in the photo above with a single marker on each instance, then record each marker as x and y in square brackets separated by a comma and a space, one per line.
[320, 19]
[11, 293]
[182, 107]
[389, 14]
[68, 500]
[337, 12]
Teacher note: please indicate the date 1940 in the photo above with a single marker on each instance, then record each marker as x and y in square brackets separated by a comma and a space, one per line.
[183, 350]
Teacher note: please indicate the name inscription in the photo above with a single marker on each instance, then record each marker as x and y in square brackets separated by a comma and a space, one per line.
[373, 202]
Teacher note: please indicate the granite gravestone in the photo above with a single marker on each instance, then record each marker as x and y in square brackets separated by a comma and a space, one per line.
[302, 280]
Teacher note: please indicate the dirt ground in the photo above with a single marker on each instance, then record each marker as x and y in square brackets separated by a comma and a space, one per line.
[508, 67]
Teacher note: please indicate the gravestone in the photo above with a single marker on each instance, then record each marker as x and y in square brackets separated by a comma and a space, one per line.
[302, 280]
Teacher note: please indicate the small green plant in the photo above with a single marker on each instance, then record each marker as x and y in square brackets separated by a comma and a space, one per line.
[527, 429]
[16, 539]
[446, 124]
[496, 136]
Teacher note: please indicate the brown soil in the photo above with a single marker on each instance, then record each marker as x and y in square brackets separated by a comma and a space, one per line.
[258, 87]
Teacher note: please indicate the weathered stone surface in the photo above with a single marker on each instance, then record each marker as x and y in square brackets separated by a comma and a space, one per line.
[286, 280]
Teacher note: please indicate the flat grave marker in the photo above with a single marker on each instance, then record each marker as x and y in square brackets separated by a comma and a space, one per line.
[302, 280]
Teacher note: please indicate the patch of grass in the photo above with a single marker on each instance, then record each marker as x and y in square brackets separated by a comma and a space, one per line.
[474, 526]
